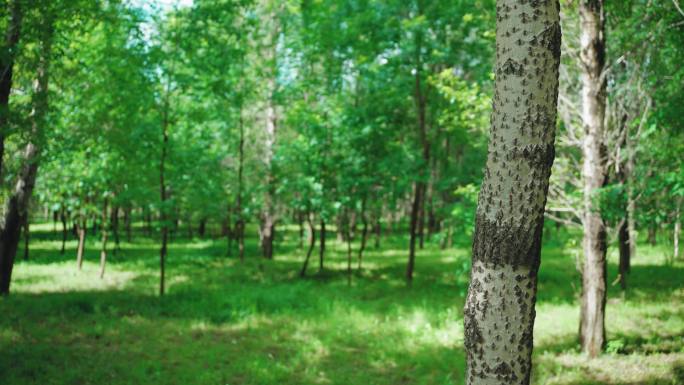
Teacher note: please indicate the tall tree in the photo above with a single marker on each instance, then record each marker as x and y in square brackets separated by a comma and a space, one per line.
[16, 208]
[270, 53]
[592, 57]
[7, 69]
[500, 306]
[418, 204]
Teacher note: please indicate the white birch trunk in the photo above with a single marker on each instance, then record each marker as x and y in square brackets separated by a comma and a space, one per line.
[499, 312]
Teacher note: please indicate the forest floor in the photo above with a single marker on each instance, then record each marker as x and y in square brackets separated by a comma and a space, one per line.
[224, 322]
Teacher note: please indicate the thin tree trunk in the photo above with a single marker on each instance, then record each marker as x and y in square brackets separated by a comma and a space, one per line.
[364, 234]
[415, 210]
[16, 207]
[312, 243]
[592, 57]
[240, 224]
[103, 249]
[500, 306]
[321, 253]
[300, 221]
[229, 232]
[7, 66]
[163, 194]
[202, 228]
[418, 206]
[81, 232]
[448, 241]
[267, 235]
[623, 173]
[114, 223]
[127, 223]
[241, 239]
[631, 226]
[268, 215]
[421, 220]
[624, 249]
[652, 231]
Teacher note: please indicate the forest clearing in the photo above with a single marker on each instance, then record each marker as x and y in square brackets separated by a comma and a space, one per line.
[226, 322]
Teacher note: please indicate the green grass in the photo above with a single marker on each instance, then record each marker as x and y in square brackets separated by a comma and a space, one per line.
[224, 322]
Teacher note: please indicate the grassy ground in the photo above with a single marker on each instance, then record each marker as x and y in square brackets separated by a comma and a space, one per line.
[228, 323]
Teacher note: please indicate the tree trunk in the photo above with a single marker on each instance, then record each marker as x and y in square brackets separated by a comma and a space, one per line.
[364, 234]
[229, 232]
[16, 208]
[652, 231]
[415, 212]
[592, 57]
[103, 249]
[127, 223]
[418, 206]
[114, 223]
[7, 66]
[421, 220]
[202, 228]
[623, 172]
[342, 223]
[300, 221]
[312, 243]
[240, 223]
[267, 234]
[240, 228]
[631, 227]
[624, 249]
[163, 194]
[81, 232]
[268, 215]
[500, 306]
[321, 253]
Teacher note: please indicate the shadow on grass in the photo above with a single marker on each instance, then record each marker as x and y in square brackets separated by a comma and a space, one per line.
[257, 322]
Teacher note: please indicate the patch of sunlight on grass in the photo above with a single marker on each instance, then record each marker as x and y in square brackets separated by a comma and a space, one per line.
[198, 245]
[555, 323]
[574, 369]
[422, 332]
[44, 227]
[9, 335]
[312, 349]
[65, 277]
[391, 253]
[176, 280]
